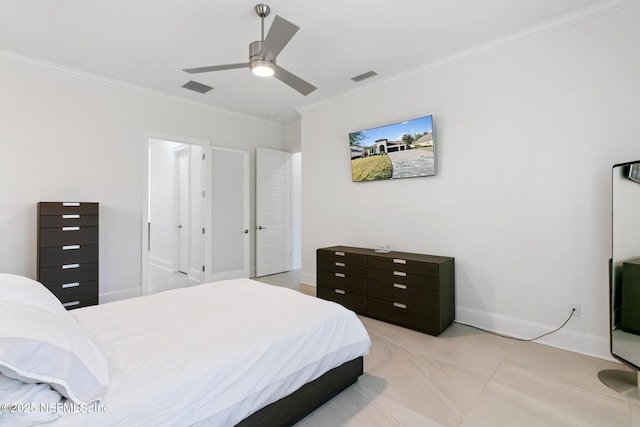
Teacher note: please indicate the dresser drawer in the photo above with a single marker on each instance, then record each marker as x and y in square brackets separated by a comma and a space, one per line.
[406, 265]
[346, 282]
[341, 256]
[355, 302]
[72, 236]
[73, 304]
[68, 273]
[68, 220]
[56, 256]
[408, 295]
[399, 276]
[343, 267]
[62, 208]
[414, 318]
[75, 291]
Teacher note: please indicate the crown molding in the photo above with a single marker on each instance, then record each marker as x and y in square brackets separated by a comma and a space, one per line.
[97, 79]
[556, 24]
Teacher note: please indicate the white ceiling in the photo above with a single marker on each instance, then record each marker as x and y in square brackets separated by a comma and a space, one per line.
[148, 42]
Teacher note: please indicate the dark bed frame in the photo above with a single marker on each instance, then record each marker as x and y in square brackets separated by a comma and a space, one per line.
[294, 407]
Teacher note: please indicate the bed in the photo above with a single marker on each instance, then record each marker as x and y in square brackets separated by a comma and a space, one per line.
[235, 352]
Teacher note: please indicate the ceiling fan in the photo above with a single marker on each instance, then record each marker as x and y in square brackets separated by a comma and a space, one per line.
[263, 53]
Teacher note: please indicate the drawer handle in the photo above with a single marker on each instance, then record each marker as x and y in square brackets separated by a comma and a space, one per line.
[399, 261]
[70, 203]
[75, 216]
[70, 247]
[340, 264]
[339, 291]
[70, 303]
[68, 266]
[398, 305]
[70, 228]
[339, 253]
[399, 273]
[399, 286]
[71, 285]
[340, 275]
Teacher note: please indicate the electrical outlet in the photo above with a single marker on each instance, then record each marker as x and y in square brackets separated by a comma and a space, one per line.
[574, 306]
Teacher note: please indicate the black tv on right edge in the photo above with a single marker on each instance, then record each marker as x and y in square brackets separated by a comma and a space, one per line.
[400, 150]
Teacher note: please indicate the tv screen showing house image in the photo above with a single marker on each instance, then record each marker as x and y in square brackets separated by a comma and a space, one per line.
[401, 150]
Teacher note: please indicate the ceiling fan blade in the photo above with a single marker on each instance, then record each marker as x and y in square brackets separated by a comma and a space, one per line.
[293, 81]
[280, 33]
[215, 68]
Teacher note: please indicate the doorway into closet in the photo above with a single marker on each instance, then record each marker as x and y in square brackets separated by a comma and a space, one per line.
[174, 215]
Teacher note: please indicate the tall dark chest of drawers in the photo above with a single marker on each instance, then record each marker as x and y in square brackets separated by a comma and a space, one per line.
[68, 251]
[411, 290]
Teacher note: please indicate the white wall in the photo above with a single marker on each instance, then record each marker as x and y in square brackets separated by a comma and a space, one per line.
[526, 133]
[69, 136]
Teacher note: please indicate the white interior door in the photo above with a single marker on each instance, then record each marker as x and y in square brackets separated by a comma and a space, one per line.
[227, 199]
[273, 211]
[183, 187]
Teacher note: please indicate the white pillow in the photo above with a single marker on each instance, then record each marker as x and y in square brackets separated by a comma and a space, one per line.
[29, 404]
[38, 346]
[14, 288]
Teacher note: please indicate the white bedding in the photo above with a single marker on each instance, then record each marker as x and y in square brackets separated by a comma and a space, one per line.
[212, 354]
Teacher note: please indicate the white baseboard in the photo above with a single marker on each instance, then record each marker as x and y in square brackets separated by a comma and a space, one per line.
[119, 295]
[194, 275]
[568, 338]
[160, 263]
[308, 279]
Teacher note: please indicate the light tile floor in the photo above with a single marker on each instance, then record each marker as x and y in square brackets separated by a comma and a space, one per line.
[469, 378]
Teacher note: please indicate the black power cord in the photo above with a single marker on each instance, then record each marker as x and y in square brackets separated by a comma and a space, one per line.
[573, 310]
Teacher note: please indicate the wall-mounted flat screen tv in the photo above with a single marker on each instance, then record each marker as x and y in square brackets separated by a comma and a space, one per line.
[400, 150]
[634, 172]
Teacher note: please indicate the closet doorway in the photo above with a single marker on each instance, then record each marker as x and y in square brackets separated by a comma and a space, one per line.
[175, 214]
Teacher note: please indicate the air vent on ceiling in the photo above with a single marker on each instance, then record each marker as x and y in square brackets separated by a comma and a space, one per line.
[364, 76]
[196, 87]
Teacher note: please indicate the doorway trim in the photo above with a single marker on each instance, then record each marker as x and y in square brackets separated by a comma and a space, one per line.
[149, 135]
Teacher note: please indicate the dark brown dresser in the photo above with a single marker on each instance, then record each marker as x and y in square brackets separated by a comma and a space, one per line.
[68, 251]
[411, 290]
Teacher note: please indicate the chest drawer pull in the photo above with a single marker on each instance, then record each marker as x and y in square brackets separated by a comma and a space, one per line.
[71, 285]
[75, 216]
[399, 286]
[339, 264]
[339, 253]
[68, 266]
[339, 291]
[398, 305]
[71, 303]
[70, 203]
[399, 273]
[399, 261]
[70, 228]
[339, 274]
[70, 247]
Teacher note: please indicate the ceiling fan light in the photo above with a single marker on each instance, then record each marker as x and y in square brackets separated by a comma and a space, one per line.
[262, 68]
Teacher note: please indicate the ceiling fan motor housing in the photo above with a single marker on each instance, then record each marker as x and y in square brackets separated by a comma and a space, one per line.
[256, 59]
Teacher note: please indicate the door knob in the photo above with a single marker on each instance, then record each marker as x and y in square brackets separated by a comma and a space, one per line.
[261, 227]
[246, 231]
